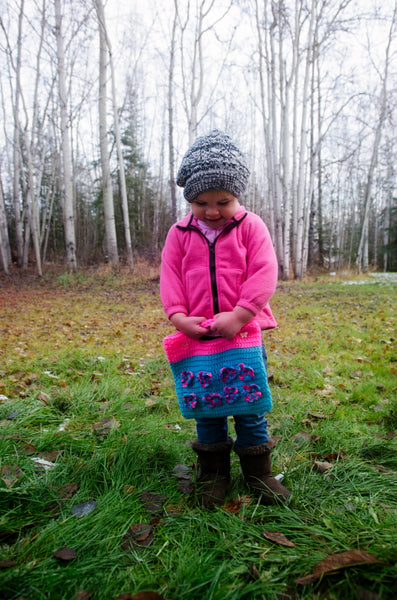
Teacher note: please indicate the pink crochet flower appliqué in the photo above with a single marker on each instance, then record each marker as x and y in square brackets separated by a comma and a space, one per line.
[231, 393]
[228, 374]
[190, 401]
[213, 400]
[204, 378]
[245, 373]
[253, 392]
[186, 378]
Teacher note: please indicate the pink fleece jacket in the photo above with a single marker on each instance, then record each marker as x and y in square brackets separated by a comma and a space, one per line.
[239, 269]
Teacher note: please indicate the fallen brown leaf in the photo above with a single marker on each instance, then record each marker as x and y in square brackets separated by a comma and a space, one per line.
[254, 573]
[318, 416]
[65, 554]
[66, 491]
[233, 506]
[82, 595]
[43, 397]
[147, 596]
[10, 474]
[174, 509]
[278, 538]
[153, 502]
[50, 456]
[29, 449]
[141, 596]
[138, 535]
[185, 487]
[7, 564]
[322, 466]
[334, 562]
[182, 472]
[105, 426]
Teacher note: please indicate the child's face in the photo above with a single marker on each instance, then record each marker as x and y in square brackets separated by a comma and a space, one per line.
[215, 207]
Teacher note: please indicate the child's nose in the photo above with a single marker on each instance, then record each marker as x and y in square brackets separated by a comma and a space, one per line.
[212, 211]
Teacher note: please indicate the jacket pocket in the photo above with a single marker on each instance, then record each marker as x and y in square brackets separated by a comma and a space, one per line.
[198, 292]
[229, 283]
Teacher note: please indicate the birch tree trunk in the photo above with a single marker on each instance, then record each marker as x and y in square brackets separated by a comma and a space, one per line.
[67, 204]
[362, 262]
[299, 266]
[123, 186]
[264, 82]
[171, 150]
[108, 206]
[387, 222]
[16, 149]
[5, 249]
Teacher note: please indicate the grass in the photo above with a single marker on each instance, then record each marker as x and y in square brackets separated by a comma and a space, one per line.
[78, 349]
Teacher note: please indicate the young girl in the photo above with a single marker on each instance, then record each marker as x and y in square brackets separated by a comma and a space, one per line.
[219, 263]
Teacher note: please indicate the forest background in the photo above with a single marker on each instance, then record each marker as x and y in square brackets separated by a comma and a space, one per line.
[99, 102]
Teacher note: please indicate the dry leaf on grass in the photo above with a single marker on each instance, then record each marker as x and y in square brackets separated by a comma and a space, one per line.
[83, 595]
[141, 596]
[153, 502]
[43, 397]
[174, 509]
[13, 415]
[149, 403]
[318, 416]
[334, 562]
[233, 506]
[105, 426]
[138, 535]
[10, 474]
[182, 472]
[84, 508]
[185, 487]
[7, 564]
[65, 554]
[254, 573]
[66, 491]
[322, 466]
[29, 449]
[278, 538]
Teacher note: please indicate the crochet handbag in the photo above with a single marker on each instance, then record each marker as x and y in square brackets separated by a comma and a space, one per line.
[219, 377]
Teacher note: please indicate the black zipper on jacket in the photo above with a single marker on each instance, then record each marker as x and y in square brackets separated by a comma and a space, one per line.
[214, 287]
[211, 247]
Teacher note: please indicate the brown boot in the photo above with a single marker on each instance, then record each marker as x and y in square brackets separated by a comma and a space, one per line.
[213, 472]
[256, 466]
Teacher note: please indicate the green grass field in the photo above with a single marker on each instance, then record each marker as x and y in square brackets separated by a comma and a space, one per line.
[84, 385]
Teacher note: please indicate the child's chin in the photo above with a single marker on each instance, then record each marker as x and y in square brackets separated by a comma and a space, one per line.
[215, 224]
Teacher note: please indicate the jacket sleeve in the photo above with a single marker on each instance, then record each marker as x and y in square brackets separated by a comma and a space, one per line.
[172, 290]
[262, 269]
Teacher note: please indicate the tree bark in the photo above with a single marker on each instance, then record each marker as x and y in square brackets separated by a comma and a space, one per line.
[362, 262]
[68, 209]
[171, 152]
[108, 206]
[16, 149]
[5, 250]
[123, 186]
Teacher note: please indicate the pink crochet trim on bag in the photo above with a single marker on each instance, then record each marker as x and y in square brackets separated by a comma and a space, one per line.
[184, 347]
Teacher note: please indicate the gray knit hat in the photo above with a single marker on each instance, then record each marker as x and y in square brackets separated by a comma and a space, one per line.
[213, 163]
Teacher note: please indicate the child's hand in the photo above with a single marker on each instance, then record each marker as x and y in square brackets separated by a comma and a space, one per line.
[190, 326]
[228, 324]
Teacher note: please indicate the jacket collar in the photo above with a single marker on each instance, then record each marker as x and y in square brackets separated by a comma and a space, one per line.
[187, 221]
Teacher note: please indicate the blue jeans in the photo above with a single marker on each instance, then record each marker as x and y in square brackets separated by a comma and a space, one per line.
[251, 430]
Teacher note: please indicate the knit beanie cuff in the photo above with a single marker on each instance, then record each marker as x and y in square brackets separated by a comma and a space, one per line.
[213, 163]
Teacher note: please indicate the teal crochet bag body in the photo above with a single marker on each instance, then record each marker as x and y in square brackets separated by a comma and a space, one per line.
[219, 377]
